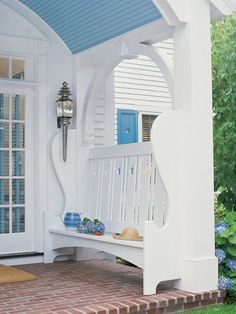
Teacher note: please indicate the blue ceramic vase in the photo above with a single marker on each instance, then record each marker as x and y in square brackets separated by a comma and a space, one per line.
[71, 220]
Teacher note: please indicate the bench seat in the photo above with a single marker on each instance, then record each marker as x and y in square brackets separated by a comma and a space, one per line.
[122, 188]
[130, 250]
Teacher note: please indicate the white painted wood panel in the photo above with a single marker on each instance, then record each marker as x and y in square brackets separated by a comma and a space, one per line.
[131, 195]
[117, 185]
[125, 189]
[144, 192]
[93, 197]
[104, 206]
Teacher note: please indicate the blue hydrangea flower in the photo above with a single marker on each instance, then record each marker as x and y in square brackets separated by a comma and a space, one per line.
[83, 229]
[220, 254]
[222, 224]
[231, 264]
[220, 227]
[99, 227]
[90, 225]
[219, 230]
[225, 283]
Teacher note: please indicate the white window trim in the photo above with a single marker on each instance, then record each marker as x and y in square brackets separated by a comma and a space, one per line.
[29, 67]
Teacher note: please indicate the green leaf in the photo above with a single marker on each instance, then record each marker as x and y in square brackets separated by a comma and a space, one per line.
[229, 218]
[220, 241]
[232, 228]
[232, 239]
[234, 215]
[231, 250]
[86, 220]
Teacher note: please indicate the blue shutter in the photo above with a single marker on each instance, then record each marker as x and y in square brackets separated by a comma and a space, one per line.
[127, 126]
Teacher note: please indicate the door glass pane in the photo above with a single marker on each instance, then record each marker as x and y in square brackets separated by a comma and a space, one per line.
[18, 71]
[4, 191]
[18, 163]
[18, 191]
[18, 107]
[4, 164]
[18, 219]
[18, 135]
[4, 67]
[4, 135]
[12, 157]
[4, 106]
[4, 220]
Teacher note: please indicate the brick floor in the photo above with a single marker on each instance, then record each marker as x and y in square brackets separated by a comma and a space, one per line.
[95, 287]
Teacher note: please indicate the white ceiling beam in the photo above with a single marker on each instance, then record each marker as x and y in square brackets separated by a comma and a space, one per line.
[150, 33]
[172, 11]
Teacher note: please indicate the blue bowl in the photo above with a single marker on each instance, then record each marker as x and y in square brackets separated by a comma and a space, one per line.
[72, 221]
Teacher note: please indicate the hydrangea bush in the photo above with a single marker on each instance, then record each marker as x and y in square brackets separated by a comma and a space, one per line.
[225, 235]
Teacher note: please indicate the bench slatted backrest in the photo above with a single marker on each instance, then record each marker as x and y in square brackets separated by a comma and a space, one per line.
[124, 187]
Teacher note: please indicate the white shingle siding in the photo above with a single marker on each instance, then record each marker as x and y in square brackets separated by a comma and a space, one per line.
[138, 85]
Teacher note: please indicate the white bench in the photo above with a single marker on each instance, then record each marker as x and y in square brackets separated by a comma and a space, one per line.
[124, 190]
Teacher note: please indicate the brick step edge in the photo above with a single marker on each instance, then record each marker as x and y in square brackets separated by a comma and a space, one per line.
[170, 301]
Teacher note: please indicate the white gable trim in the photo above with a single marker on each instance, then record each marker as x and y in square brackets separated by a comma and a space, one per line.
[174, 11]
[224, 7]
[36, 21]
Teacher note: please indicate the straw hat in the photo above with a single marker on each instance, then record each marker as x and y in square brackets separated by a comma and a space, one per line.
[130, 234]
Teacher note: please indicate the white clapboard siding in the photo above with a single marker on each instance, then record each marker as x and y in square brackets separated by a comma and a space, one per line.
[99, 125]
[139, 82]
[138, 85]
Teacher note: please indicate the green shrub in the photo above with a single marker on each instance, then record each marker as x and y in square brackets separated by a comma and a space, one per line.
[224, 104]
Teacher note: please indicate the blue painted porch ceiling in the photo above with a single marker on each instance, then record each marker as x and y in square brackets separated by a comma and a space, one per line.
[82, 24]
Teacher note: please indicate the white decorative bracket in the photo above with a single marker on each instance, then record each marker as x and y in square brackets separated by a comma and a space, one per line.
[102, 70]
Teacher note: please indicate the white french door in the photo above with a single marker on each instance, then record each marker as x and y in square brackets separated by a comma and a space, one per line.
[17, 225]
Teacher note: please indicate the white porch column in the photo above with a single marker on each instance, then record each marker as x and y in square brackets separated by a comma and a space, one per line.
[193, 97]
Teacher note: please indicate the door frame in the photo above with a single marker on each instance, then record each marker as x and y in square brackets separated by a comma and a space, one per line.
[30, 221]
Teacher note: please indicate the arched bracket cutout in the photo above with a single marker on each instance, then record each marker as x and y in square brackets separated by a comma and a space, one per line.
[102, 71]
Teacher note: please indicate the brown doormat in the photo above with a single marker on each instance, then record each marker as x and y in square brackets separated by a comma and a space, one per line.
[10, 274]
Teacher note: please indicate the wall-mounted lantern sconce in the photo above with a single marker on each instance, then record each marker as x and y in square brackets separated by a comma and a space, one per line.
[65, 111]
